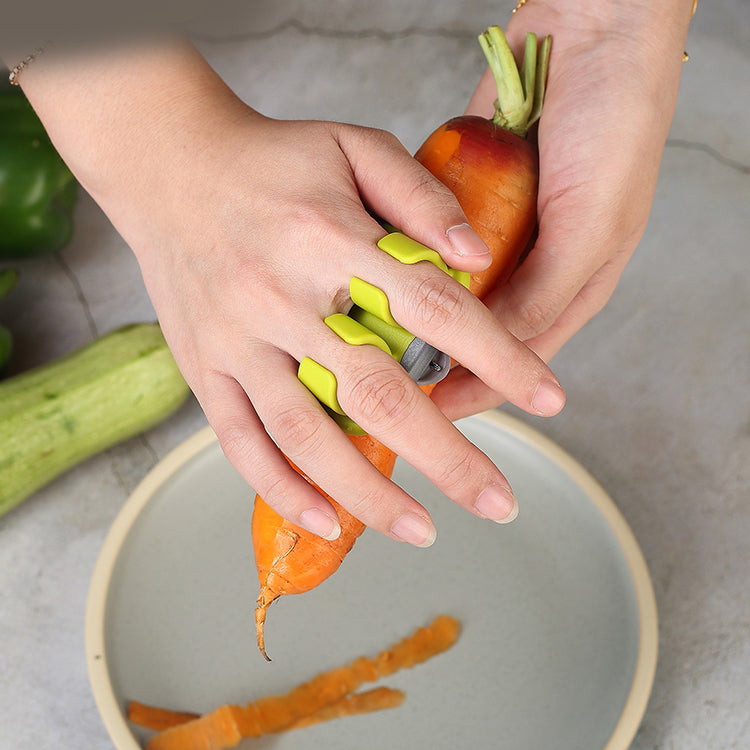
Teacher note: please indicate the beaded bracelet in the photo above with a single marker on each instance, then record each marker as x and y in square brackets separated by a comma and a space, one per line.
[16, 69]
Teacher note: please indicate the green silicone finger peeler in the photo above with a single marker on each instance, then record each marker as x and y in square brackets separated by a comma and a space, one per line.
[370, 322]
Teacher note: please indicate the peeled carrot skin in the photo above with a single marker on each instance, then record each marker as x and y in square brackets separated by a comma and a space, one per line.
[494, 174]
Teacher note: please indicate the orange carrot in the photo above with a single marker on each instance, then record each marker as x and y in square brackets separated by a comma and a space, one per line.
[291, 560]
[503, 214]
[365, 702]
[226, 726]
[377, 699]
[489, 165]
[494, 172]
[158, 719]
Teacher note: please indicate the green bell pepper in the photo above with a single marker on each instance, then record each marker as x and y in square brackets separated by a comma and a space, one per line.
[37, 190]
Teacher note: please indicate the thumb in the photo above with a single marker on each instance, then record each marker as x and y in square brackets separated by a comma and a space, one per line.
[400, 190]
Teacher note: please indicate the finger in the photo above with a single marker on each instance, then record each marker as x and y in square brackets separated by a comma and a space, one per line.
[378, 394]
[317, 445]
[254, 455]
[562, 266]
[399, 189]
[433, 306]
[586, 304]
[462, 393]
[594, 198]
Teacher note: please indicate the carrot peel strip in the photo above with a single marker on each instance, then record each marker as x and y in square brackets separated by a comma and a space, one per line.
[157, 719]
[377, 699]
[224, 727]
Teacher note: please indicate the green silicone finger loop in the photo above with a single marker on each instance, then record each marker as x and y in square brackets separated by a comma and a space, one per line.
[349, 426]
[407, 250]
[396, 337]
[354, 332]
[372, 299]
[320, 382]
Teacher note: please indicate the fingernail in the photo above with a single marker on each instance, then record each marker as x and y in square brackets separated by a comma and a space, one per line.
[465, 241]
[497, 503]
[320, 523]
[548, 398]
[414, 529]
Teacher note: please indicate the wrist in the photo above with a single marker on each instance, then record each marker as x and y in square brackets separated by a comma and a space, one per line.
[670, 18]
[129, 119]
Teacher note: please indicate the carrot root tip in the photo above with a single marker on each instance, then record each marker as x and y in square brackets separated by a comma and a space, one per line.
[260, 620]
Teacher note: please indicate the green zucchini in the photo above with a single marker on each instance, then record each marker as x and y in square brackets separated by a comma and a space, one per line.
[8, 278]
[57, 415]
[6, 347]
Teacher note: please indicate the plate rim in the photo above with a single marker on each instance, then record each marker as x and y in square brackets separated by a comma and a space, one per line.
[639, 694]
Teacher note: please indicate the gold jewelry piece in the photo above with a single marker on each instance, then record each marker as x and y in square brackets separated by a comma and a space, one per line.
[521, 3]
[685, 56]
[16, 69]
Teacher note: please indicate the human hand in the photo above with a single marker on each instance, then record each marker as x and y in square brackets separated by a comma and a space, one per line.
[611, 90]
[248, 231]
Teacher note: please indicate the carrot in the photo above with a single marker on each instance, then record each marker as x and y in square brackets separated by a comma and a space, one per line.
[291, 560]
[489, 165]
[227, 725]
[156, 718]
[494, 172]
[377, 699]
[367, 701]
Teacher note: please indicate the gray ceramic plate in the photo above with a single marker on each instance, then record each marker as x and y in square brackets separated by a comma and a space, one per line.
[559, 640]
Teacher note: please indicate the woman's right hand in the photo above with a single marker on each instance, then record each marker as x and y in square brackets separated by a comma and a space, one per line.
[247, 231]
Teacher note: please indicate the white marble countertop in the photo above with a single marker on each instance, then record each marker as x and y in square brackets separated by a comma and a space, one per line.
[658, 384]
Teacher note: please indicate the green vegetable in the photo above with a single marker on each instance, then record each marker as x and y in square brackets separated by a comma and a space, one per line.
[8, 278]
[6, 347]
[63, 412]
[37, 190]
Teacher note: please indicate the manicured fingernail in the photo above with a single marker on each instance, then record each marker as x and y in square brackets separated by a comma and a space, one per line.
[548, 398]
[497, 503]
[465, 241]
[320, 523]
[414, 529]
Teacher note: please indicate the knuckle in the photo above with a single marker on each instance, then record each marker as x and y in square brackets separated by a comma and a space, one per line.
[297, 430]
[436, 302]
[453, 477]
[380, 395]
[312, 220]
[368, 137]
[536, 316]
[428, 194]
[275, 491]
[363, 505]
[383, 137]
[236, 442]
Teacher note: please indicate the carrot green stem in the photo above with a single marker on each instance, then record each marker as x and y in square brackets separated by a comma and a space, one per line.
[519, 94]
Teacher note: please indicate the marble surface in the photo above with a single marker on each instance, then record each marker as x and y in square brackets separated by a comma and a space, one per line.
[658, 384]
